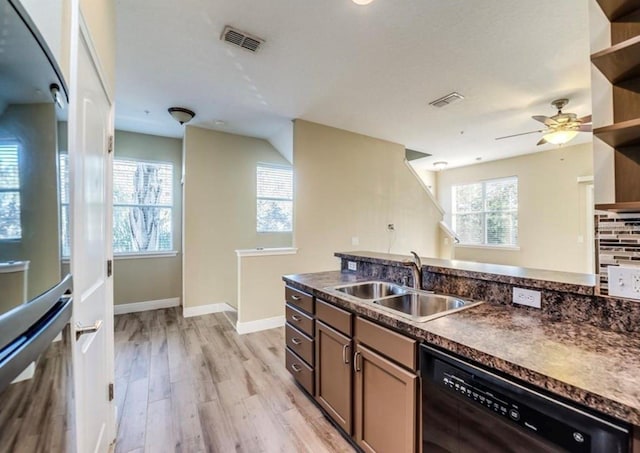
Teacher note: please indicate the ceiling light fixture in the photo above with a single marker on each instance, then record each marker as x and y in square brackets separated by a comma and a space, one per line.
[440, 165]
[181, 115]
[560, 136]
[361, 2]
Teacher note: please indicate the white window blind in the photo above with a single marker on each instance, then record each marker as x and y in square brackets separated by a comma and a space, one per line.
[274, 198]
[63, 161]
[486, 212]
[142, 206]
[10, 225]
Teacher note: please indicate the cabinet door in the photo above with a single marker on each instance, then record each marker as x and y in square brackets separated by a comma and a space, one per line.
[333, 374]
[385, 404]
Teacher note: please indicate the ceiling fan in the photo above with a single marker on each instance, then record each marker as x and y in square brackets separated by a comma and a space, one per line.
[561, 127]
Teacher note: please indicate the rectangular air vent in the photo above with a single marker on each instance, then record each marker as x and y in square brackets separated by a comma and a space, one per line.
[241, 39]
[447, 99]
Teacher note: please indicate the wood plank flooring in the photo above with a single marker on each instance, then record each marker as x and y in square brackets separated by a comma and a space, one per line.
[195, 385]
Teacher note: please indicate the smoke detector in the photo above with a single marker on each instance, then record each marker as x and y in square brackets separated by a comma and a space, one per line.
[447, 99]
[241, 39]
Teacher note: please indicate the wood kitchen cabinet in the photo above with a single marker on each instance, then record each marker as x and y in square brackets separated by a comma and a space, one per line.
[385, 402]
[334, 376]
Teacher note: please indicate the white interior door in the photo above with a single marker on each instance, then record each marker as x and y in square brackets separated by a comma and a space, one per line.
[91, 126]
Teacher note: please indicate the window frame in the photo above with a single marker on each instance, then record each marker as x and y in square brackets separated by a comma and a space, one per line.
[485, 211]
[144, 253]
[258, 199]
[17, 190]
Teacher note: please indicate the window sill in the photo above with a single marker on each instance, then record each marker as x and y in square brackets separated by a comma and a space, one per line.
[137, 256]
[507, 248]
[267, 251]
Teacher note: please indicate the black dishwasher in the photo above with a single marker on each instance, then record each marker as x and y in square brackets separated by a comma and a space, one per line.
[469, 409]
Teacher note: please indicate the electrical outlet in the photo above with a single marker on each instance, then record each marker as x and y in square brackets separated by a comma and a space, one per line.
[526, 297]
[624, 281]
[352, 265]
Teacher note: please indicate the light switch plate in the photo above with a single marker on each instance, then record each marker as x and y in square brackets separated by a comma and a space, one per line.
[526, 297]
[624, 281]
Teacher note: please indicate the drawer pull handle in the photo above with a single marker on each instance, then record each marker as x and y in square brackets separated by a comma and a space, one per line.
[345, 354]
[294, 297]
[296, 318]
[296, 368]
[296, 341]
[356, 368]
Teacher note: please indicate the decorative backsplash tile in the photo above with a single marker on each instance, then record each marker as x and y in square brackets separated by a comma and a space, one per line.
[618, 242]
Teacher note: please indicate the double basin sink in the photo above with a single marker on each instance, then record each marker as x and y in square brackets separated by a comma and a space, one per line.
[417, 305]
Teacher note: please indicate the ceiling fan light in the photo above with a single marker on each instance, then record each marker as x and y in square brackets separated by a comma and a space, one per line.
[181, 115]
[361, 2]
[560, 137]
[441, 165]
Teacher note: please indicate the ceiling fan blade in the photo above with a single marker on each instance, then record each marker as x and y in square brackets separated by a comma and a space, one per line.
[517, 135]
[542, 142]
[545, 119]
[585, 119]
[585, 128]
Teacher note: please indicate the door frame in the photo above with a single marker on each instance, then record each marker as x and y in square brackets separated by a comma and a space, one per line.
[80, 32]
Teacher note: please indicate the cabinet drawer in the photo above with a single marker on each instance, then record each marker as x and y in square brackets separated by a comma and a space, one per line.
[335, 317]
[299, 343]
[395, 346]
[299, 319]
[300, 370]
[299, 299]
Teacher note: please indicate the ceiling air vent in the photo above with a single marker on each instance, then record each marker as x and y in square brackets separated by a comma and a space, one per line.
[241, 39]
[447, 99]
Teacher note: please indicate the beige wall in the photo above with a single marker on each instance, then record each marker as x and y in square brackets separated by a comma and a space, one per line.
[220, 211]
[145, 279]
[347, 185]
[33, 126]
[551, 208]
[350, 185]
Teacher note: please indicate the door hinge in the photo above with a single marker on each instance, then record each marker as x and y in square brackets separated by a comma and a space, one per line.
[111, 391]
[110, 144]
[109, 268]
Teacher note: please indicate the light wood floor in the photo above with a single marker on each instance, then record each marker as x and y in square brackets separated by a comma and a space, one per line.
[195, 385]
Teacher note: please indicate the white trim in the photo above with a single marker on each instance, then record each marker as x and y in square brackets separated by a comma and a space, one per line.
[140, 255]
[267, 251]
[200, 310]
[585, 179]
[8, 267]
[260, 324]
[147, 305]
[86, 35]
[448, 231]
[424, 186]
[490, 247]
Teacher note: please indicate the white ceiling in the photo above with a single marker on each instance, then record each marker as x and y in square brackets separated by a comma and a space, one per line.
[371, 69]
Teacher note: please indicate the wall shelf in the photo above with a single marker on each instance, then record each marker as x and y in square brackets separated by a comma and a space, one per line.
[615, 9]
[619, 62]
[621, 134]
[631, 206]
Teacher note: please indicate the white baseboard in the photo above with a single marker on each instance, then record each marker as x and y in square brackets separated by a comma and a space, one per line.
[200, 310]
[146, 305]
[260, 324]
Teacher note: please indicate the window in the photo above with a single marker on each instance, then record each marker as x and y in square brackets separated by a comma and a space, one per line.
[274, 198]
[142, 206]
[486, 213]
[63, 160]
[10, 226]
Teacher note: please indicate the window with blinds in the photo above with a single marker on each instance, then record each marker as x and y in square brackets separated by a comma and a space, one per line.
[65, 236]
[486, 212]
[10, 225]
[274, 209]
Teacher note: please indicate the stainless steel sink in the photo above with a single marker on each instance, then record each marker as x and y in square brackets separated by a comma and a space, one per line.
[416, 305]
[372, 290]
[423, 307]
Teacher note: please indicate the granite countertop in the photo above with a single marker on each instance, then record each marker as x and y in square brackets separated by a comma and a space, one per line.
[593, 367]
[536, 278]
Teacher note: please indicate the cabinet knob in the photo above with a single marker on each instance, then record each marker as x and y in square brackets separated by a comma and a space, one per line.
[296, 318]
[296, 341]
[296, 368]
[345, 354]
[294, 297]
